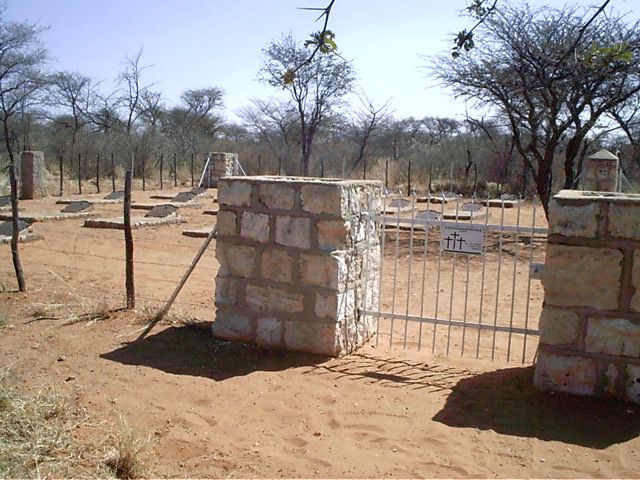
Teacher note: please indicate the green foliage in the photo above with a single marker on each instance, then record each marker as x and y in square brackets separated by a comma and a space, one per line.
[609, 56]
[324, 41]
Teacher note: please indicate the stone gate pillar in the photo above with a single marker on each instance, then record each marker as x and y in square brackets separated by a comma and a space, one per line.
[33, 175]
[222, 164]
[590, 323]
[298, 259]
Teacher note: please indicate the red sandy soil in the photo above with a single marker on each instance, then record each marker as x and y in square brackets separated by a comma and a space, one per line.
[217, 409]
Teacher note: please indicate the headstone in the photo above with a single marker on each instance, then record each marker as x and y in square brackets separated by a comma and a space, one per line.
[76, 207]
[471, 207]
[183, 197]
[33, 178]
[115, 196]
[6, 228]
[161, 211]
[5, 200]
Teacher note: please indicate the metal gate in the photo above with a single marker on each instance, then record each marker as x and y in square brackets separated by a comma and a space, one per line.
[456, 276]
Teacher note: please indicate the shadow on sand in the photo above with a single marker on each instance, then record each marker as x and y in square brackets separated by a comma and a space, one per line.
[507, 402]
[190, 350]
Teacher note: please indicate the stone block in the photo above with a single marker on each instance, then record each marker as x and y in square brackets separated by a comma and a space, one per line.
[238, 260]
[255, 227]
[235, 193]
[271, 299]
[276, 196]
[228, 291]
[574, 221]
[327, 199]
[632, 386]
[613, 336]
[571, 374]
[611, 380]
[332, 234]
[269, 332]
[558, 327]
[328, 271]
[232, 327]
[582, 276]
[226, 223]
[293, 231]
[319, 338]
[277, 265]
[635, 281]
[336, 306]
[624, 220]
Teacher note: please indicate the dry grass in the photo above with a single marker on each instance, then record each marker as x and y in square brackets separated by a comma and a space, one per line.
[37, 440]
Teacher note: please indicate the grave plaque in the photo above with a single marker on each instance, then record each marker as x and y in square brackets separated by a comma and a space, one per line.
[161, 211]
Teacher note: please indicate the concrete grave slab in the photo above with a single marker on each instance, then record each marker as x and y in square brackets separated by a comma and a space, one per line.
[202, 232]
[162, 211]
[183, 197]
[471, 207]
[117, 195]
[431, 215]
[500, 203]
[117, 223]
[76, 207]
[6, 227]
[26, 233]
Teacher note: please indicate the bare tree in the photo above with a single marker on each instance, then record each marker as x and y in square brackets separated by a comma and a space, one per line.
[366, 124]
[22, 57]
[552, 100]
[316, 90]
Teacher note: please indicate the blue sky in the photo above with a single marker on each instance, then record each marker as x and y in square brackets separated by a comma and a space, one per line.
[201, 43]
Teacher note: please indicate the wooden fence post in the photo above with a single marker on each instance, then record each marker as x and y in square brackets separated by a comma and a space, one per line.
[79, 174]
[98, 173]
[61, 159]
[192, 169]
[15, 231]
[144, 168]
[128, 242]
[161, 162]
[409, 179]
[175, 171]
[113, 173]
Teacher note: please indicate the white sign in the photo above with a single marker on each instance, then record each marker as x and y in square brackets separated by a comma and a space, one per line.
[462, 238]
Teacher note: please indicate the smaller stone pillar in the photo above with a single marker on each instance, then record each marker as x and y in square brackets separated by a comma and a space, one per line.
[299, 261]
[33, 175]
[222, 164]
[602, 172]
[590, 323]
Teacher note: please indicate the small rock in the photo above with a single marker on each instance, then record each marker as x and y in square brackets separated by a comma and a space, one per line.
[69, 378]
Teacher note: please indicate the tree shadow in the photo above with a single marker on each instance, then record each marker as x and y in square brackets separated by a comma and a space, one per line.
[507, 402]
[191, 350]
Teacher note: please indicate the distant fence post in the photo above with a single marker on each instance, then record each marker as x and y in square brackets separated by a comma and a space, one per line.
[192, 169]
[61, 160]
[175, 171]
[113, 173]
[409, 179]
[128, 239]
[98, 173]
[79, 173]
[161, 162]
[144, 169]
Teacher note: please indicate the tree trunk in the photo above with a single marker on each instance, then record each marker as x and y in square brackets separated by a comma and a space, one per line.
[15, 232]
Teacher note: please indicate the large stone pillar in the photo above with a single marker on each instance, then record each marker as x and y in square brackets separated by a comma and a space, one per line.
[590, 323]
[33, 175]
[299, 257]
[221, 164]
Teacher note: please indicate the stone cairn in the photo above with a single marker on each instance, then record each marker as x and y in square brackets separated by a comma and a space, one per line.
[590, 323]
[299, 262]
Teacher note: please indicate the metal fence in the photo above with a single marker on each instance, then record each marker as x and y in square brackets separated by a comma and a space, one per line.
[455, 276]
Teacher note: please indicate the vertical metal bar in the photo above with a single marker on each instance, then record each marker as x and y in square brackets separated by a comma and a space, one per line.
[384, 237]
[435, 315]
[466, 288]
[424, 266]
[513, 285]
[366, 264]
[453, 279]
[484, 269]
[395, 268]
[495, 317]
[411, 231]
[526, 313]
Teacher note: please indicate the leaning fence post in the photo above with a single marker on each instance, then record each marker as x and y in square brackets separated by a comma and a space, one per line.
[15, 231]
[128, 241]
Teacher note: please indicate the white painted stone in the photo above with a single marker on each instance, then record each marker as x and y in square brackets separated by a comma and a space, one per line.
[624, 220]
[612, 374]
[633, 383]
[238, 260]
[320, 338]
[328, 271]
[635, 281]
[332, 234]
[277, 196]
[226, 222]
[293, 231]
[255, 226]
[231, 327]
[582, 276]
[269, 332]
[574, 221]
[328, 199]
[227, 291]
[277, 265]
[571, 374]
[613, 336]
[558, 327]
[271, 299]
[236, 193]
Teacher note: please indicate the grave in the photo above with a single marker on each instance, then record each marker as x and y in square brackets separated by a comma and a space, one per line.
[398, 205]
[5, 201]
[117, 195]
[471, 207]
[501, 203]
[202, 232]
[77, 207]
[6, 227]
[462, 215]
[429, 215]
[162, 211]
[25, 235]
[184, 197]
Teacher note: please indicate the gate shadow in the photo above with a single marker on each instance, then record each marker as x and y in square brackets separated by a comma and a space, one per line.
[507, 402]
[191, 350]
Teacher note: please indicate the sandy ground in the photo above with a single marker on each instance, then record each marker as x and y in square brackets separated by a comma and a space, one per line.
[218, 409]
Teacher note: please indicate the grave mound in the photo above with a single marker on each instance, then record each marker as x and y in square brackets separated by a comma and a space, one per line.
[76, 207]
[161, 211]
